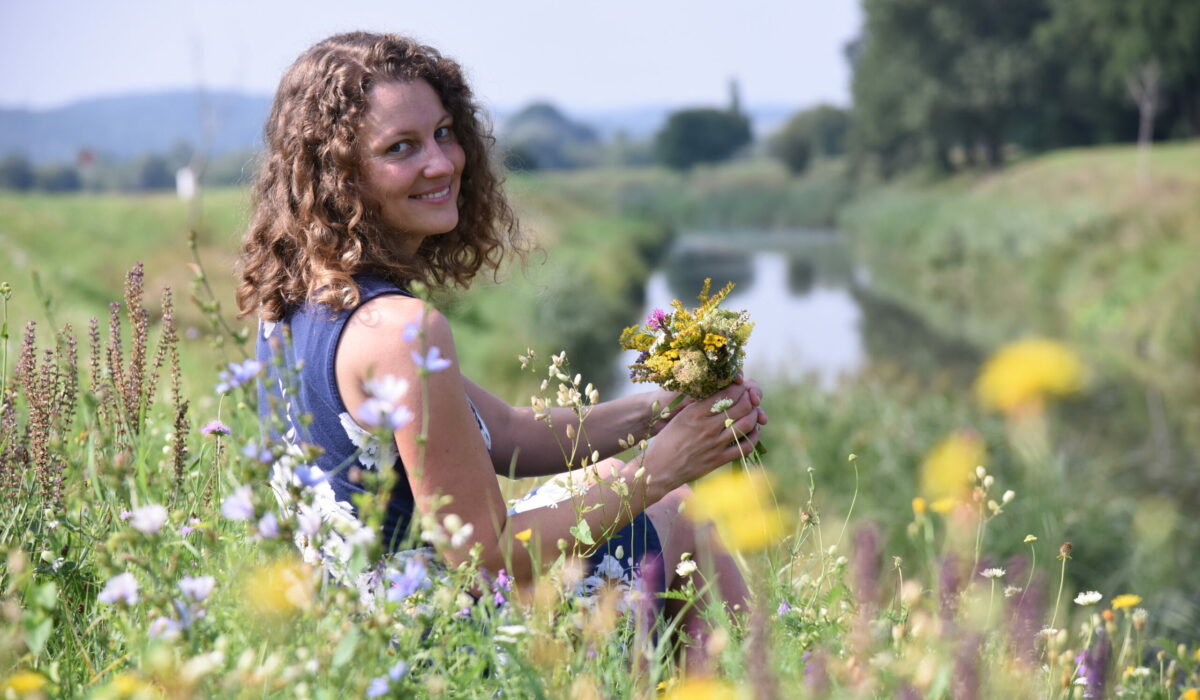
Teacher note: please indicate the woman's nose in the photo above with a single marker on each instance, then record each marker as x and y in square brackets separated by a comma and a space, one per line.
[438, 164]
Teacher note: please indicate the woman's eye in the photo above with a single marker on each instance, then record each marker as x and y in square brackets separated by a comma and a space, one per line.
[401, 148]
[443, 133]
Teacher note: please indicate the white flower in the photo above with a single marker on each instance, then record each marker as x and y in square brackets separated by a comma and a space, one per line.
[1011, 591]
[122, 588]
[198, 588]
[1140, 671]
[148, 519]
[721, 405]
[512, 630]
[1088, 598]
[308, 520]
[388, 389]
[463, 535]
[685, 568]
[993, 573]
[609, 567]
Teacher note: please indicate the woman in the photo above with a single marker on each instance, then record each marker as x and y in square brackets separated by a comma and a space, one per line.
[377, 175]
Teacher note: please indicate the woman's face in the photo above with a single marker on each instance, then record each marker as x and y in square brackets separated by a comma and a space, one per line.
[411, 161]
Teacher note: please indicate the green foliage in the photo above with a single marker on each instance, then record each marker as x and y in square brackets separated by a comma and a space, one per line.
[694, 136]
[820, 131]
[950, 85]
[59, 178]
[540, 137]
[16, 172]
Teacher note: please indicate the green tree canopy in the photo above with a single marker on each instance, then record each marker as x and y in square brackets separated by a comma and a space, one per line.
[16, 172]
[694, 136]
[819, 131]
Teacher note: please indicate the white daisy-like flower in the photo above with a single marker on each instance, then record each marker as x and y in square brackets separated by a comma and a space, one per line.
[685, 568]
[993, 573]
[1088, 598]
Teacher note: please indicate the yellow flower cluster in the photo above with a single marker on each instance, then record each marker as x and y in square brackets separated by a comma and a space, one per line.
[1126, 600]
[1020, 376]
[741, 506]
[692, 352]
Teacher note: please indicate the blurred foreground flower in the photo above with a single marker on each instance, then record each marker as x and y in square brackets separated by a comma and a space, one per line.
[279, 588]
[1021, 375]
[701, 689]
[1126, 600]
[740, 504]
[23, 682]
[947, 470]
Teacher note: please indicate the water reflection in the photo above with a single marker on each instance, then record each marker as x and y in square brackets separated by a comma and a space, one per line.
[796, 286]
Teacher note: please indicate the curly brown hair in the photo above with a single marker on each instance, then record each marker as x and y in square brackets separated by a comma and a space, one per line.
[312, 228]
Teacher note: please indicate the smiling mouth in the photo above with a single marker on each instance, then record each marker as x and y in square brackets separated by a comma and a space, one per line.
[438, 194]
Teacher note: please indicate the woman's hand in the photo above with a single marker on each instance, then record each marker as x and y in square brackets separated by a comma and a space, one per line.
[697, 441]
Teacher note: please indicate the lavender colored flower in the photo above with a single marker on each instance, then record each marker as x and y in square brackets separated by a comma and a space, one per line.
[126, 515]
[411, 331]
[412, 580]
[499, 598]
[215, 427]
[185, 530]
[376, 412]
[148, 519]
[237, 374]
[503, 581]
[397, 671]
[122, 588]
[657, 319]
[378, 687]
[198, 588]
[268, 526]
[310, 476]
[260, 454]
[784, 608]
[239, 505]
[433, 360]
[164, 628]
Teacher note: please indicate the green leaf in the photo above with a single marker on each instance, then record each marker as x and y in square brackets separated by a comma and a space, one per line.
[583, 532]
[345, 648]
[45, 596]
[36, 635]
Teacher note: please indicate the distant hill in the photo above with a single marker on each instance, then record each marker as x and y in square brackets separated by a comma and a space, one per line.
[132, 125]
[129, 126]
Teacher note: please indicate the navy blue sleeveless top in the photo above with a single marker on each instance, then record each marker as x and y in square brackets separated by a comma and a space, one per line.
[306, 384]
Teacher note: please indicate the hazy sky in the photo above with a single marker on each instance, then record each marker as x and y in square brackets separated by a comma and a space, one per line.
[582, 55]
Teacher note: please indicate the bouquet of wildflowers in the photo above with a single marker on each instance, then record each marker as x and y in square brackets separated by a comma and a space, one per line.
[692, 352]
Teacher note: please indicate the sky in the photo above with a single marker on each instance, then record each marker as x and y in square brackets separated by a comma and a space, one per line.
[580, 54]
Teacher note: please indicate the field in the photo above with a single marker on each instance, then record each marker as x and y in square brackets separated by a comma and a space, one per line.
[148, 557]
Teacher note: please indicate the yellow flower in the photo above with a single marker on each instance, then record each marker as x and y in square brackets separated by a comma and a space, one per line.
[279, 588]
[918, 506]
[524, 535]
[127, 685]
[1127, 600]
[23, 682]
[1190, 694]
[740, 504]
[948, 468]
[1019, 376]
[943, 505]
[712, 341]
[701, 689]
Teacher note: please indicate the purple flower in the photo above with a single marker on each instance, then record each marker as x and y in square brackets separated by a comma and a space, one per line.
[253, 451]
[499, 598]
[503, 581]
[148, 519]
[411, 331]
[197, 587]
[239, 505]
[122, 588]
[215, 427]
[784, 608]
[397, 671]
[185, 530]
[657, 319]
[378, 687]
[126, 514]
[412, 580]
[376, 412]
[268, 526]
[433, 360]
[237, 375]
[310, 476]
[164, 628]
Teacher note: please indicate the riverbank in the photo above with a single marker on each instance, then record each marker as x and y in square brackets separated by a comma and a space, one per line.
[1069, 245]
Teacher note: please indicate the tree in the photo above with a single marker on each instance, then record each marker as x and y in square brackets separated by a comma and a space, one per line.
[542, 137]
[59, 178]
[154, 173]
[16, 172]
[819, 131]
[693, 136]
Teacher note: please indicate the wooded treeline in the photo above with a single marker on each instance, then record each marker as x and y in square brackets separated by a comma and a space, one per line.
[961, 83]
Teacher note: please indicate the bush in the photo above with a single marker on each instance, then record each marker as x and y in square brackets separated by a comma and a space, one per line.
[693, 136]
